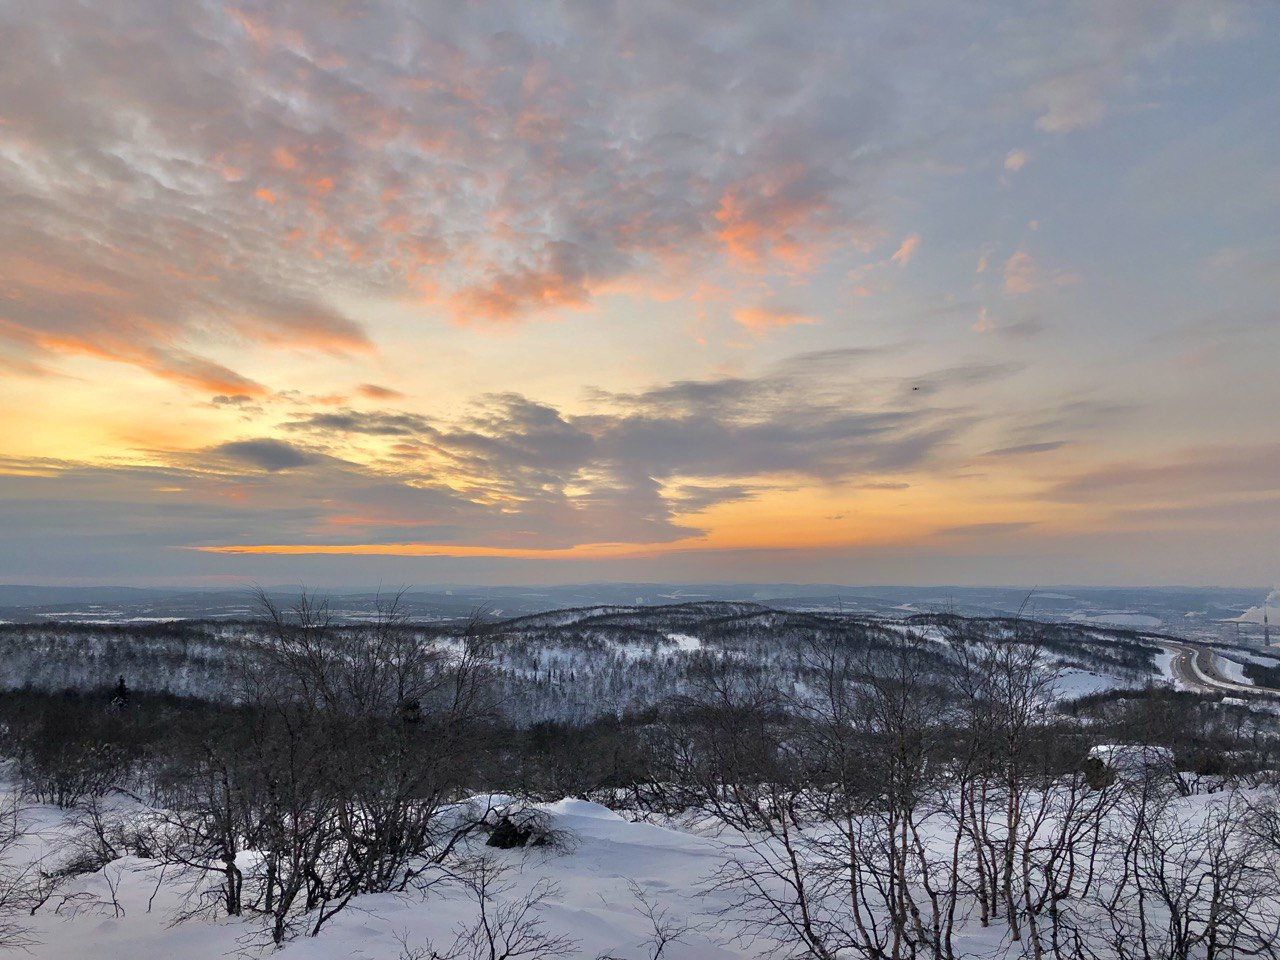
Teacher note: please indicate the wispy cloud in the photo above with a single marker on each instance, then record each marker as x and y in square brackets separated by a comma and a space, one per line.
[1015, 160]
[906, 250]
[1023, 275]
[760, 320]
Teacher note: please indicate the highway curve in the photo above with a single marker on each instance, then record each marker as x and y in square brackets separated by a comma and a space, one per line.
[1196, 668]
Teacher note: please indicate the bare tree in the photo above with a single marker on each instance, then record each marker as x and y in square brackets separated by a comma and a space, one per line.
[505, 927]
[23, 885]
[367, 735]
[1188, 883]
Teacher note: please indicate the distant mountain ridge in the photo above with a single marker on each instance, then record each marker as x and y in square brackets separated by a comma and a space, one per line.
[1202, 612]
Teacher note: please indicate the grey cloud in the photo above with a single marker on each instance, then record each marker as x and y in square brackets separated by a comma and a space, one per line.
[1019, 330]
[628, 470]
[376, 423]
[268, 454]
[693, 499]
[1224, 469]
[1026, 448]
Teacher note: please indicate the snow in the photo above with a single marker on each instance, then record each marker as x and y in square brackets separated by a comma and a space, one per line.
[1131, 757]
[1164, 666]
[1231, 670]
[594, 888]
[685, 643]
[1071, 684]
[592, 900]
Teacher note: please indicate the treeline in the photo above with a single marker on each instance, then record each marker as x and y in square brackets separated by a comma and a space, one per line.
[563, 666]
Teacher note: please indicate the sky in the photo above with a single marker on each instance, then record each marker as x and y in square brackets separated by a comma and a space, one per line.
[353, 291]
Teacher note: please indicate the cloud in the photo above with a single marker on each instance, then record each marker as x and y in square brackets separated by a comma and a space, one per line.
[513, 474]
[265, 453]
[1023, 275]
[760, 320]
[487, 162]
[1223, 469]
[1074, 70]
[1024, 329]
[501, 163]
[373, 391]
[906, 250]
[1015, 160]
[375, 423]
[1025, 448]
[984, 259]
[239, 400]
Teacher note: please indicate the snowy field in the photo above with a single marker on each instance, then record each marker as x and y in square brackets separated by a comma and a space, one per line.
[614, 889]
[602, 891]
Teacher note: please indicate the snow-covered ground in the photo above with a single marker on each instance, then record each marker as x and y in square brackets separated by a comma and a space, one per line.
[1231, 670]
[685, 643]
[126, 910]
[612, 884]
[1071, 684]
[1164, 666]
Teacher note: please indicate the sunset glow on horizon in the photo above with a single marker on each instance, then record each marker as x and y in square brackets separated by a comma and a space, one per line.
[349, 292]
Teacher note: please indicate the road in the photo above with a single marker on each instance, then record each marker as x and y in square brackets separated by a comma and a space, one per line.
[1196, 668]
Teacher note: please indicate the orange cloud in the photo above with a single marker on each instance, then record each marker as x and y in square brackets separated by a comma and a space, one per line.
[170, 364]
[760, 320]
[283, 158]
[773, 218]
[262, 193]
[375, 392]
[508, 295]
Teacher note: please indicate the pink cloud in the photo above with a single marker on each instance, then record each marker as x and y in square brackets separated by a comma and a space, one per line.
[1022, 275]
[760, 320]
[906, 250]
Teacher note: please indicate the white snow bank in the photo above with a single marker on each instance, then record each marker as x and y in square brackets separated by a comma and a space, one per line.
[1231, 670]
[581, 808]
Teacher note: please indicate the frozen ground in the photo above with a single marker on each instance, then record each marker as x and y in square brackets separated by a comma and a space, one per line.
[604, 892]
[125, 911]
